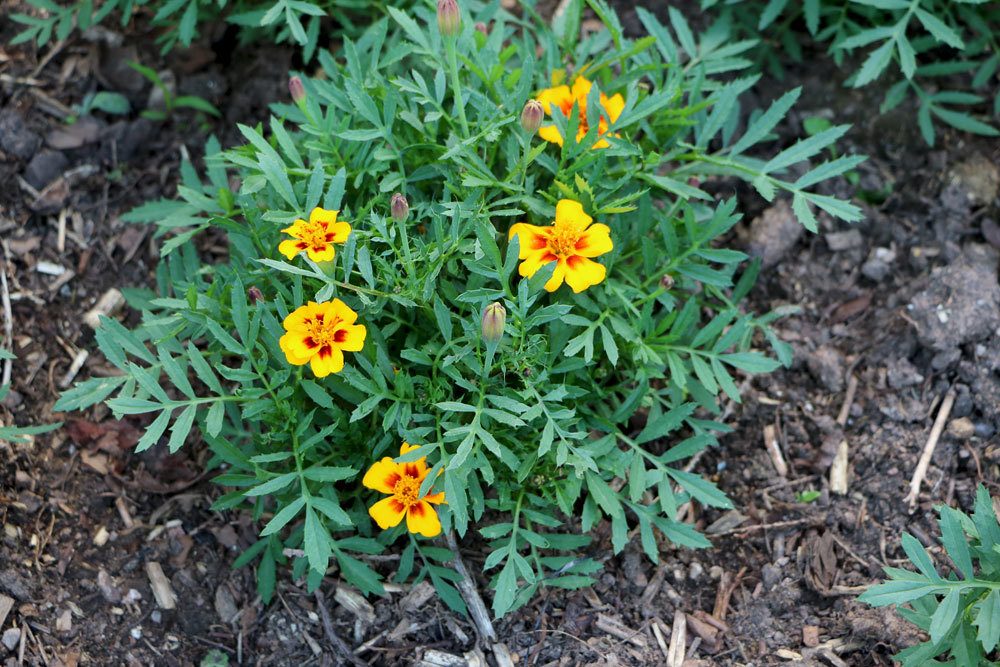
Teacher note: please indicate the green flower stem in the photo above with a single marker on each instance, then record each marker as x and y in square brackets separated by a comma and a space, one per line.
[456, 88]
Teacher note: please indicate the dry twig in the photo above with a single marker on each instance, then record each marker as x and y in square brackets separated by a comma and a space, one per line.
[925, 457]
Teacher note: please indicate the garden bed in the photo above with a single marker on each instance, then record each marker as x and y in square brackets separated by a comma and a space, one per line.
[897, 312]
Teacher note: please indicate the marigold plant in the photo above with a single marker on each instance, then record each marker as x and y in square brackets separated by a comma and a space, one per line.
[540, 409]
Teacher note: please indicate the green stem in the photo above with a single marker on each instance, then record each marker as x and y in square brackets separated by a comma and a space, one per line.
[456, 88]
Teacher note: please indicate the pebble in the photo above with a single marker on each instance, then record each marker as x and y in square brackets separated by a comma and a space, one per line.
[695, 571]
[961, 428]
[15, 137]
[963, 402]
[827, 365]
[774, 233]
[770, 576]
[156, 616]
[11, 638]
[44, 168]
[136, 632]
[839, 241]
[879, 264]
[902, 373]
[985, 430]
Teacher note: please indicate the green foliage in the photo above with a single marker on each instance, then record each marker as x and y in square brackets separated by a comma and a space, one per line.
[171, 102]
[179, 21]
[943, 53]
[587, 406]
[960, 612]
[18, 433]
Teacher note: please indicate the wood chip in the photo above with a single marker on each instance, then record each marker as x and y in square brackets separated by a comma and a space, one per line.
[6, 604]
[435, 658]
[614, 626]
[162, 591]
[107, 305]
[74, 368]
[355, 603]
[418, 596]
[838, 470]
[678, 640]
[774, 450]
[101, 536]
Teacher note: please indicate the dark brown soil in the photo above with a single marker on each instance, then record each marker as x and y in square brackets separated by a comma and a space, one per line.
[904, 303]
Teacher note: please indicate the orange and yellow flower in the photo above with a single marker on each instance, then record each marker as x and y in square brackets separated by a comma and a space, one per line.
[402, 482]
[318, 334]
[316, 237]
[564, 97]
[571, 241]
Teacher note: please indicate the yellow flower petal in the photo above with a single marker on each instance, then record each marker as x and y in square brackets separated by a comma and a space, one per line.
[550, 133]
[531, 238]
[328, 360]
[340, 231]
[290, 248]
[436, 498]
[582, 273]
[382, 476]
[571, 212]
[556, 96]
[557, 277]
[614, 105]
[421, 518]
[322, 215]
[299, 318]
[387, 512]
[581, 88]
[296, 348]
[295, 228]
[534, 262]
[342, 311]
[594, 241]
[406, 448]
[320, 255]
[353, 338]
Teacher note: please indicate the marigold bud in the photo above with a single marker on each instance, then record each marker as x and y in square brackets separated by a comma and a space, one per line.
[667, 281]
[531, 116]
[400, 207]
[481, 27]
[254, 294]
[449, 19]
[297, 90]
[494, 319]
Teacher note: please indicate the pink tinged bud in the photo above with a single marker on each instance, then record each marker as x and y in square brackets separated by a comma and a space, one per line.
[399, 207]
[481, 27]
[531, 117]
[494, 320]
[297, 90]
[449, 19]
[254, 294]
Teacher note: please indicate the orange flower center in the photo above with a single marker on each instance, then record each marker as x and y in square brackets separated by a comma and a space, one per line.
[316, 235]
[563, 239]
[407, 490]
[323, 332]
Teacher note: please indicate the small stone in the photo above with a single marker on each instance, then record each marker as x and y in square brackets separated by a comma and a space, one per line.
[65, 621]
[961, 428]
[11, 638]
[225, 605]
[770, 576]
[156, 616]
[14, 584]
[774, 233]
[985, 430]
[715, 572]
[695, 571]
[15, 137]
[901, 373]
[827, 365]
[84, 131]
[978, 178]
[810, 636]
[879, 264]
[963, 402]
[946, 358]
[107, 587]
[839, 241]
[44, 168]
[136, 633]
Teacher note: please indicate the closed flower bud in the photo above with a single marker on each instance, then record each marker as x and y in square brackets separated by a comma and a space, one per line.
[297, 90]
[481, 27]
[254, 294]
[531, 117]
[667, 281]
[400, 207]
[449, 20]
[494, 319]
